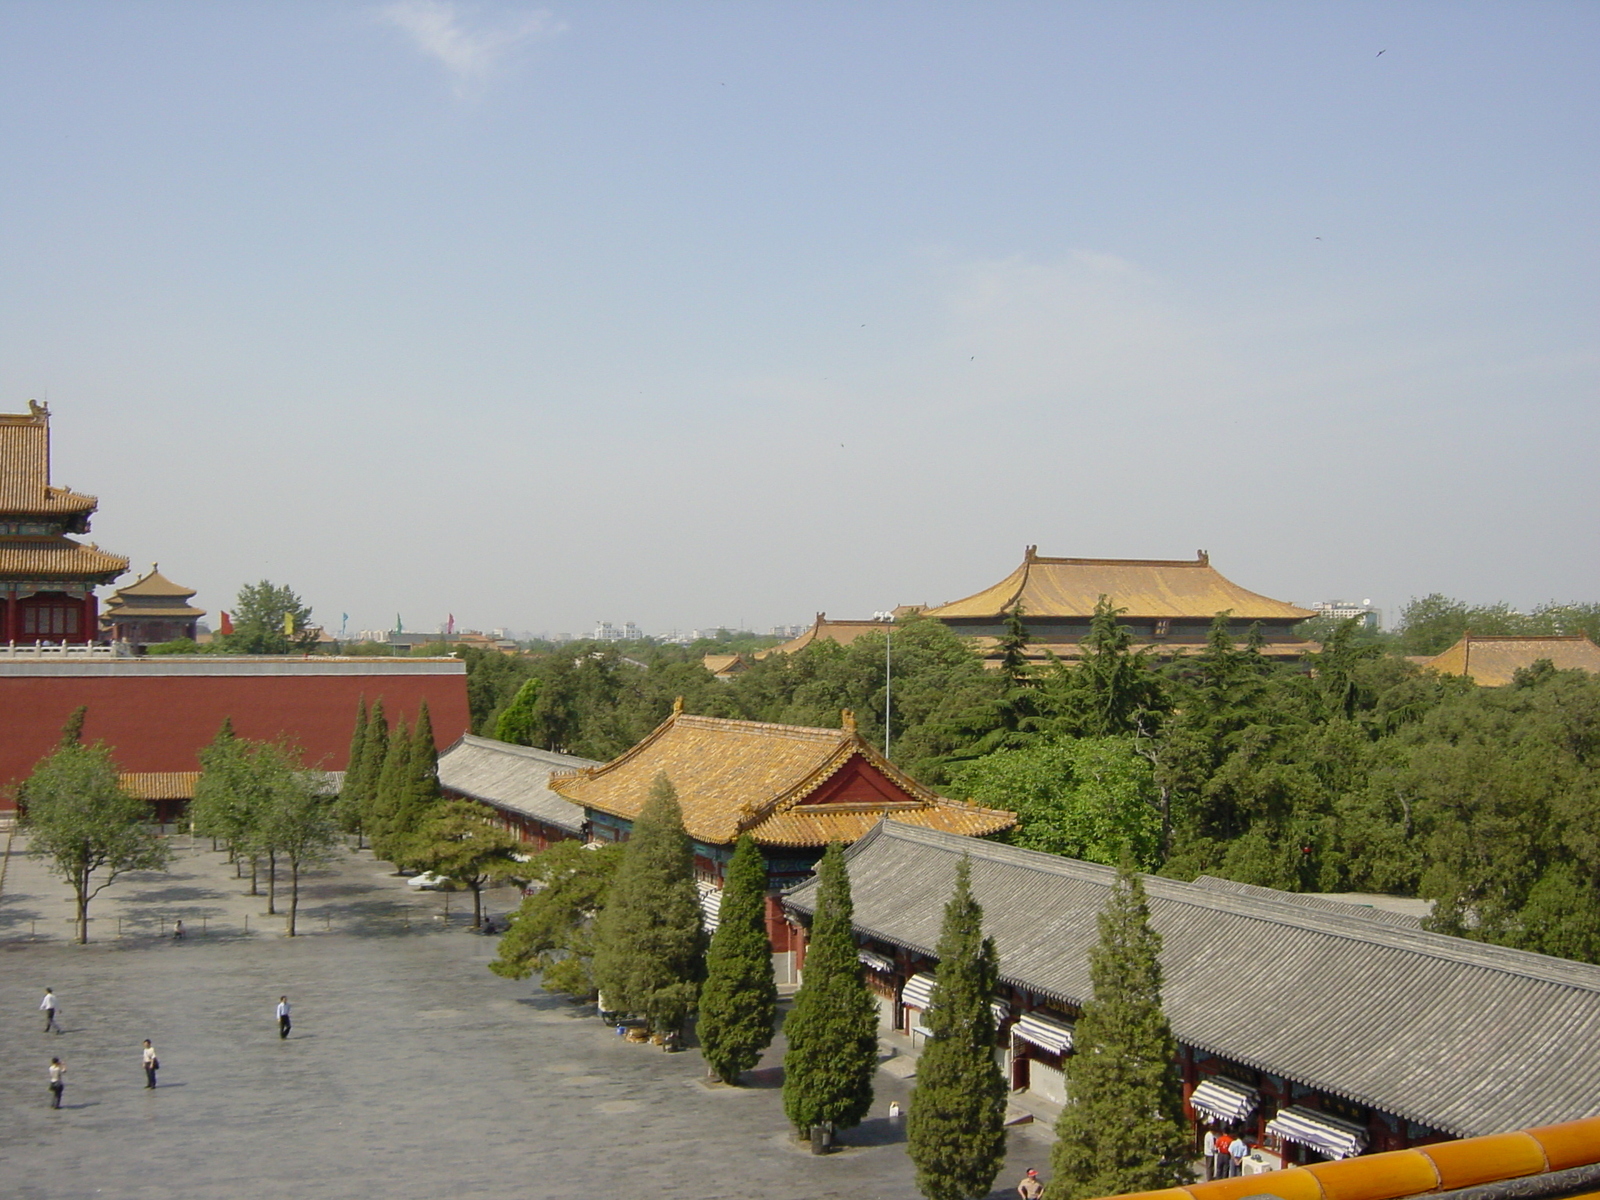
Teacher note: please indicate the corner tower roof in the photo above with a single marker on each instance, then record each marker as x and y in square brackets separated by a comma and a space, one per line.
[1070, 587]
[25, 487]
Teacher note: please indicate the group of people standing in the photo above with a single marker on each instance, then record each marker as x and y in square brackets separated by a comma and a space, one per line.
[51, 1007]
[1225, 1154]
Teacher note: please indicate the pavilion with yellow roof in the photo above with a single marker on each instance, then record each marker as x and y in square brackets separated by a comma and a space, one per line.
[1168, 603]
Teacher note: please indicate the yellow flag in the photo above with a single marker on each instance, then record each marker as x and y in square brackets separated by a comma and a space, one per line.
[288, 624]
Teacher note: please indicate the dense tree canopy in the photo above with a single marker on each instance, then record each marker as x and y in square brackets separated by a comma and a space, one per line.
[1349, 770]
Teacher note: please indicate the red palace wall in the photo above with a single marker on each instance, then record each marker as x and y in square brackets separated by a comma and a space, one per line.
[158, 723]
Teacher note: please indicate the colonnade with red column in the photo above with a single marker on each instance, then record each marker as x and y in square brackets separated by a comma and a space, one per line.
[49, 617]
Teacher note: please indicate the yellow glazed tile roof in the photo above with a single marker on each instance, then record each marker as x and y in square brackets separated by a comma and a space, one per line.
[1070, 587]
[25, 487]
[736, 777]
[824, 630]
[57, 557]
[1492, 661]
[154, 583]
[159, 785]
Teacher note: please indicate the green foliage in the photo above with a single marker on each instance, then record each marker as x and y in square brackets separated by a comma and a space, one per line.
[86, 826]
[956, 1131]
[1112, 690]
[1123, 1128]
[649, 944]
[1092, 798]
[739, 1002]
[389, 819]
[1435, 623]
[72, 731]
[177, 646]
[833, 1028]
[299, 822]
[259, 614]
[515, 724]
[351, 809]
[553, 931]
[459, 841]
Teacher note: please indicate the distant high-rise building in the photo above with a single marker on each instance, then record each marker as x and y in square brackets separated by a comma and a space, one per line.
[1343, 610]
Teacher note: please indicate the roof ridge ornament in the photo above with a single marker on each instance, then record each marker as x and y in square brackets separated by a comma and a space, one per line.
[847, 720]
[677, 707]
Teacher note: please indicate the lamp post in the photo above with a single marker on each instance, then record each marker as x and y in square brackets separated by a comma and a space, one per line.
[888, 642]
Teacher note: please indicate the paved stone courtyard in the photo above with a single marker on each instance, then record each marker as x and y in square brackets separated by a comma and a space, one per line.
[411, 1071]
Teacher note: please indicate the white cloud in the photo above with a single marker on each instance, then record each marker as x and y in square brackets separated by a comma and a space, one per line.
[470, 56]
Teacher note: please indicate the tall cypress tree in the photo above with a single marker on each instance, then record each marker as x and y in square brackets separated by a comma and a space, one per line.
[350, 807]
[1123, 1130]
[739, 1002]
[649, 941]
[833, 1027]
[392, 793]
[374, 753]
[956, 1131]
[424, 767]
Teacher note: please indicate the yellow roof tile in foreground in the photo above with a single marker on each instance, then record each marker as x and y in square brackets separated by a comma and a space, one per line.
[1070, 587]
[736, 777]
[1492, 661]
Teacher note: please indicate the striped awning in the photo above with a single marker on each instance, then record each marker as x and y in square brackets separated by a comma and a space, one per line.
[710, 897]
[918, 990]
[1047, 1033]
[1224, 1099]
[877, 962]
[1323, 1133]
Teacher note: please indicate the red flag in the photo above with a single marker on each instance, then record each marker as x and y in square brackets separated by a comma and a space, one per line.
[450, 625]
[227, 625]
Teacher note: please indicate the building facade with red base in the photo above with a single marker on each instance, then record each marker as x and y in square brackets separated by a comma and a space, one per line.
[156, 713]
[47, 579]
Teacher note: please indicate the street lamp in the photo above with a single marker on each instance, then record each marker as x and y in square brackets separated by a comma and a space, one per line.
[888, 642]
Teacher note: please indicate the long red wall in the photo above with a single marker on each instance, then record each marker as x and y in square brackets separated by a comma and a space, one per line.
[159, 723]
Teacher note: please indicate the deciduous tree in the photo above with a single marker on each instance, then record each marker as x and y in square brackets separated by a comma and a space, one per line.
[553, 930]
[268, 619]
[91, 831]
[459, 841]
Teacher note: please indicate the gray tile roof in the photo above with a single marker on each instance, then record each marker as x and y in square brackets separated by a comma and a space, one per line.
[1458, 1035]
[513, 778]
[1341, 903]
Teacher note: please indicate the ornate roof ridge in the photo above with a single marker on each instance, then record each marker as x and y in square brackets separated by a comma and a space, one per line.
[1527, 637]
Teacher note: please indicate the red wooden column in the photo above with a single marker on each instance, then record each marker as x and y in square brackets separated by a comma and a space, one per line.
[90, 618]
[8, 620]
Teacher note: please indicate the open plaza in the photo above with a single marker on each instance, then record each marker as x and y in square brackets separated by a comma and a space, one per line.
[411, 1071]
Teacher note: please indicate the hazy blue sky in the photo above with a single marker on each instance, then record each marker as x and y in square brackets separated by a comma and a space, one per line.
[688, 313]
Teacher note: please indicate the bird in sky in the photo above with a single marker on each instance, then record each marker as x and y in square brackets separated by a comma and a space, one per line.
[1380, 54]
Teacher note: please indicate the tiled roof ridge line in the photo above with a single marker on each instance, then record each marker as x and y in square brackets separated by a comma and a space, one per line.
[1202, 562]
[1352, 927]
[815, 732]
[1527, 637]
[495, 746]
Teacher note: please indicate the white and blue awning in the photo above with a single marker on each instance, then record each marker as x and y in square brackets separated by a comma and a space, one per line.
[1223, 1099]
[1324, 1133]
[710, 897]
[918, 991]
[876, 962]
[1047, 1033]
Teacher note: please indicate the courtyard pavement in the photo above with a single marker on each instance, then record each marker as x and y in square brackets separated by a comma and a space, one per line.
[411, 1071]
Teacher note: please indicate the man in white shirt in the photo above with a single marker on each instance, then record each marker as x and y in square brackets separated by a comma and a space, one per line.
[283, 1016]
[50, 1004]
[1211, 1155]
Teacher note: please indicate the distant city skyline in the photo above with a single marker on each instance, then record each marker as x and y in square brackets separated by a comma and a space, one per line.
[546, 315]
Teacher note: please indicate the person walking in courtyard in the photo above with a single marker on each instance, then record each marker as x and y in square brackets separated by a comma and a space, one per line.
[177, 930]
[58, 1081]
[51, 1006]
[152, 1064]
[1031, 1188]
[283, 1016]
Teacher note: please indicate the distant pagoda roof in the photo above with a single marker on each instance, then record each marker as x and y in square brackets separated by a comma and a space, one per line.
[824, 630]
[25, 487]
[769, 781]
[1070, 587]
[1493, 661]
[151, 595]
